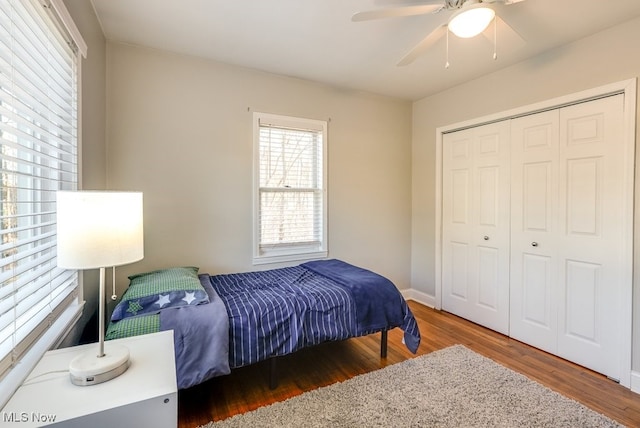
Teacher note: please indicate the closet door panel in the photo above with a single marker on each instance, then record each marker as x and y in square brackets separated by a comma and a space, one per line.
[582, 289]
[534, 195]
[584, 194]
[460, 197]
[536, 289]
[489, 255]
[537, 196]
[476, 225]
[492, 214]
[488, 196]
[458, 272]
[591, 235]
[488, 278]
[457, 220]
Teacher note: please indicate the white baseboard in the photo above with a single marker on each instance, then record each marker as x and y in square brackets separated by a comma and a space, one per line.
[635, 381]
[419, 297]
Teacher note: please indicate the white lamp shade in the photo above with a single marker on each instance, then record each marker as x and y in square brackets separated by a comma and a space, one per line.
[471, 21]
[99, 229]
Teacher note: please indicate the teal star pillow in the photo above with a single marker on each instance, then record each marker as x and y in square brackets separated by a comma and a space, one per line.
[152, 291]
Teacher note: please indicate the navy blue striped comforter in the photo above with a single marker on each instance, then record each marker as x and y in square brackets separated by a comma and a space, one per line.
[279, 311]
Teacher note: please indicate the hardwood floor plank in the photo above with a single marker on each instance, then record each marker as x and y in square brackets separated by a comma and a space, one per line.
[247, 388]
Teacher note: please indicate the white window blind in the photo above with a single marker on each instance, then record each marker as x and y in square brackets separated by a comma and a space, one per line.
[291, 205]
[38, 155]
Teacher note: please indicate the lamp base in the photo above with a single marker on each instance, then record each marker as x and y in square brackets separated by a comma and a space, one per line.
[89, 369]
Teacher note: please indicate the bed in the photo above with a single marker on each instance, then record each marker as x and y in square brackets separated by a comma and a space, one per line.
[222, 322]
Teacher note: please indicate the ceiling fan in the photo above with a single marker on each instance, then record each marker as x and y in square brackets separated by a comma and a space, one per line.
[465, 18]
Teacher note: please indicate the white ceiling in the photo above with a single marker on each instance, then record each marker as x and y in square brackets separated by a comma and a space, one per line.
[316, 39]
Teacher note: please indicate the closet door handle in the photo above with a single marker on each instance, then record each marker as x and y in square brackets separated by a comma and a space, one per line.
[534, 244]
[486, 238]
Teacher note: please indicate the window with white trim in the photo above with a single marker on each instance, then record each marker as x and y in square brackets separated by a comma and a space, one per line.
[290, 221]
[38, 155]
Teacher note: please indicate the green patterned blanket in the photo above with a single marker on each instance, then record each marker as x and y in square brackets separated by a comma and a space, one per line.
[133, 326]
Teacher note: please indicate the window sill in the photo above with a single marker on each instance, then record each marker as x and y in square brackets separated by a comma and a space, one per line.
[283, 258]
[54, 334]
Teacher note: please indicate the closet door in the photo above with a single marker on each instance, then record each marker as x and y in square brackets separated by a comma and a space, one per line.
[567, 237]
[475, 260]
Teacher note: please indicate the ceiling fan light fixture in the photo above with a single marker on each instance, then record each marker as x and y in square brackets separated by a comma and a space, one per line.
[471, 21]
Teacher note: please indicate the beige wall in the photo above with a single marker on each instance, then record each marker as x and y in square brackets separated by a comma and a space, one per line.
[600, 59]
[93, 151]
[179, 129]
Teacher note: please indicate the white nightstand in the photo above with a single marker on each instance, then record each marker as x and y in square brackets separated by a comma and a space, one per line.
[144, 396]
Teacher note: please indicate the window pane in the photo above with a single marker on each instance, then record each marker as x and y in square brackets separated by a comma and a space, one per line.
[289, 158]
[290, 217]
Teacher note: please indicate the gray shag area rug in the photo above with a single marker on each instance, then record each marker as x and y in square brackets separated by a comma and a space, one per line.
[453, 387]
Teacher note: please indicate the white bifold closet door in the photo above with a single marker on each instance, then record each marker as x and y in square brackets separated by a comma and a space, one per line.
[475, 262]
[567, 238]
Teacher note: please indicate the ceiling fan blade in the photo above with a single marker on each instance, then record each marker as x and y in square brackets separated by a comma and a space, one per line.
[506, 2]
[505, 31]
[398, 11]
[424, 45]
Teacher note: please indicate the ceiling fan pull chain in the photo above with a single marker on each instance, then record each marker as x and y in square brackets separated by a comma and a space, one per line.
[446, 65]
[495, 39]
[114, 296]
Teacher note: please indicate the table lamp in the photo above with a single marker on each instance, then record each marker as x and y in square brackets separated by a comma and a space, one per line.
[99, 229]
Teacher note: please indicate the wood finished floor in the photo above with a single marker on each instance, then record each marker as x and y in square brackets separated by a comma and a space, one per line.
[247, 388]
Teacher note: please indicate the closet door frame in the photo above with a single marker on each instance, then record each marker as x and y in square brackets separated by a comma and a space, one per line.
[626, 87]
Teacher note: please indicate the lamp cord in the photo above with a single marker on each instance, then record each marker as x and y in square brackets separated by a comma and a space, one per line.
[31, 380]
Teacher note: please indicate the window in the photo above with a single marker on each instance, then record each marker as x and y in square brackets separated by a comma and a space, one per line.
[38, 156]
[290, 188]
